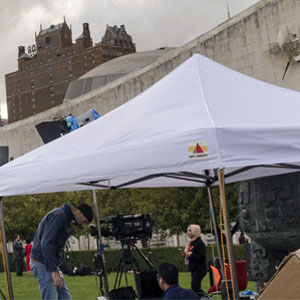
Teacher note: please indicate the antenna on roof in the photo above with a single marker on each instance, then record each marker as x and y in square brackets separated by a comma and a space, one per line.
[41, 27]
[228, 11]
[64, 19]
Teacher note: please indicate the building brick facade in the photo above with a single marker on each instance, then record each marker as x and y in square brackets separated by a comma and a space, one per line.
[45, 71]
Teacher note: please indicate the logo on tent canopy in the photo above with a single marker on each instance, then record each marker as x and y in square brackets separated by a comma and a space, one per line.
[198, 150]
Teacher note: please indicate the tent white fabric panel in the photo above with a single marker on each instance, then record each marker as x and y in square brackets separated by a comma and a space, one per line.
[201, 116]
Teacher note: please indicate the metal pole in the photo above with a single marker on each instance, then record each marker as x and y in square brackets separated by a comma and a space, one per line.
[213, 216]
[229, 242]
[5, 254]
[99, 242]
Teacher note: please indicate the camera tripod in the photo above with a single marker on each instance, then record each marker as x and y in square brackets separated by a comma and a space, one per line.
[128, 259]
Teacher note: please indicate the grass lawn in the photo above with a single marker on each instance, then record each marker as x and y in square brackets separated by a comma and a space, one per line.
[83, 287]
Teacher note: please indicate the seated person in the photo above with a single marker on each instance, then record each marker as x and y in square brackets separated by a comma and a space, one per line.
[167, 278]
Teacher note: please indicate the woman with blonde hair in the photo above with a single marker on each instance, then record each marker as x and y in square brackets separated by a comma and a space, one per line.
[195, 256]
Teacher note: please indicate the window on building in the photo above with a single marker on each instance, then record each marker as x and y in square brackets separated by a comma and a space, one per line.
[33, 99]
[51, 87]
[52, 94]
[49, 67]
[33, 106]
[48, 41]
[93, 61]
[30, 73]
[49, 59]
[70, 68]
[51, 80]
[70, 75]
[69, 61]
[32, 93]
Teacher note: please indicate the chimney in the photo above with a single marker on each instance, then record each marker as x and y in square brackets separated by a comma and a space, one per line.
[21, 51]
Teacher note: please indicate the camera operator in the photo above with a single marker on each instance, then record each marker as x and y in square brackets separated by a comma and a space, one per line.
[49, 241]
[167, 279]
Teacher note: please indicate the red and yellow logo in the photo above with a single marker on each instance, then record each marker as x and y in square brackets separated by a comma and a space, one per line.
[198, 150]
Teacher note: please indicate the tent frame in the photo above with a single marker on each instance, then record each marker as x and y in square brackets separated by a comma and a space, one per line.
[206, 179]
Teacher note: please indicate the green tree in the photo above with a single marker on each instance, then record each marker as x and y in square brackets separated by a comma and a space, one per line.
[22, 214]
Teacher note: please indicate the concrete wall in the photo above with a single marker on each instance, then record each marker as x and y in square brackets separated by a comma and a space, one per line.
[242, 43]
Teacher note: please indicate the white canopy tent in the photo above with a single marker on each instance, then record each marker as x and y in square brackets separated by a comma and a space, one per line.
[235, 120]
[201, 116]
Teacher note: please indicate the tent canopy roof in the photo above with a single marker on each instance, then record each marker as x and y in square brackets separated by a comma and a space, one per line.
[201, 116]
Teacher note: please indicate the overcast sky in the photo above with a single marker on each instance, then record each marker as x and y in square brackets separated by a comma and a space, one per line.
[151, 23]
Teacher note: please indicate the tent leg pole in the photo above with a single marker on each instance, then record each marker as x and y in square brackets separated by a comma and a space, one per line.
[99, 242]
[213, 216]
[5, 254]
[229, 243]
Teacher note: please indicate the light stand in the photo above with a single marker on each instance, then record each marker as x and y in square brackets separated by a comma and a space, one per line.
[100, 249]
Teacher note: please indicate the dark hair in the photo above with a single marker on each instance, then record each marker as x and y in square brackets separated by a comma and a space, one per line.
[16, 235]
[169, 273]
[28, 241]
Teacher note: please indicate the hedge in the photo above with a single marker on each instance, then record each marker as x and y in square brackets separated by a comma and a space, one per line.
[112, 257]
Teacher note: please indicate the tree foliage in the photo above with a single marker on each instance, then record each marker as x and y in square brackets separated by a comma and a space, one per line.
[171, 208]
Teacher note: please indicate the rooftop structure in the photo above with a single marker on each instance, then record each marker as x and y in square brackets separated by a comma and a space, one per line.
[48, 66]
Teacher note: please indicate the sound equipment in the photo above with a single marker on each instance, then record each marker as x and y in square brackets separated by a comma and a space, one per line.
[147, 286]
[122, 293]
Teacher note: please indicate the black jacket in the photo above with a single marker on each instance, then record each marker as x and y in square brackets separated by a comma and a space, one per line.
[17, 250]
[197, 260]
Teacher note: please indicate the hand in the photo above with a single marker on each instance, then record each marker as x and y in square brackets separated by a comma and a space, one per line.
[57, 279]
[187, 254]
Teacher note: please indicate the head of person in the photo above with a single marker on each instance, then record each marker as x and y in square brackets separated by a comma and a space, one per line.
[193, 231]
[83, 214]
[17, 237]
[167, 275]
[28, 241]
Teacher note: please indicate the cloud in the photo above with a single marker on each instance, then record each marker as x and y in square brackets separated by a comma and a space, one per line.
[152, 24]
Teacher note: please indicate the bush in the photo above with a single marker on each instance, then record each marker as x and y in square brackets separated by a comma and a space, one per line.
[155, 255]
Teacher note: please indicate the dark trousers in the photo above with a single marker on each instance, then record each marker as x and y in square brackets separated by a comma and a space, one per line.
[19, 266]
[197, 277]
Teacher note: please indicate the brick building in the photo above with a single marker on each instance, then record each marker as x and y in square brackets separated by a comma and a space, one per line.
[45, 71]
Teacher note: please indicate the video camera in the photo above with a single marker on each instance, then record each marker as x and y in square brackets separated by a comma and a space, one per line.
[125, 226]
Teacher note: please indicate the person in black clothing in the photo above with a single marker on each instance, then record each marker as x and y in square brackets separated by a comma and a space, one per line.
[195, 256]
[167, 278]
[18, 255]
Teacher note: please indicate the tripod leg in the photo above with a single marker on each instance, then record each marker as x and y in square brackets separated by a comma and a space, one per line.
[121, 274]
[125, 275]
[118, 274]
